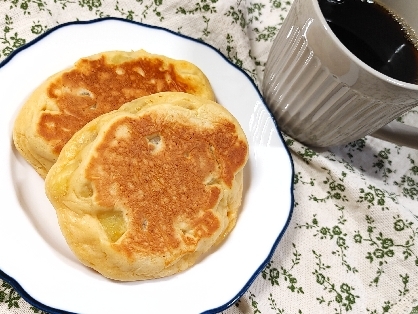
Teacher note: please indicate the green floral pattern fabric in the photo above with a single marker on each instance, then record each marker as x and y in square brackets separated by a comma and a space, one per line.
[352, 243]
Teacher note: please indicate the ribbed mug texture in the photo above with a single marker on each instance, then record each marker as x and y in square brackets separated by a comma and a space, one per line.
[311, 104]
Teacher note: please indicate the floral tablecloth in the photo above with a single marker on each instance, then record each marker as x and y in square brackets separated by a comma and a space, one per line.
[352, 242]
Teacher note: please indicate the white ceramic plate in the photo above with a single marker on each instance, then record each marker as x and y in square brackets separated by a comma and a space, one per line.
[34, 256]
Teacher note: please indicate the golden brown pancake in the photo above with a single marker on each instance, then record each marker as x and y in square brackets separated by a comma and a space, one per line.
[66, 101]
[144, 191]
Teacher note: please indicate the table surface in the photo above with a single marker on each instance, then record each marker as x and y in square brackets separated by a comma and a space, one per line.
[350, 245]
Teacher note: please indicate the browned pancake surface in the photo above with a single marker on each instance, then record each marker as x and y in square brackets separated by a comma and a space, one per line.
[93, 86]
[143, 191]
[96, 86]
[162, 171]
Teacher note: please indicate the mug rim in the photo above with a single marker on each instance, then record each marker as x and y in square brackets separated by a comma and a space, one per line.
[358, 61]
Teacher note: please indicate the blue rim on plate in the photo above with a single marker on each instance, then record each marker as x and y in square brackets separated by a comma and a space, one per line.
[26, 296]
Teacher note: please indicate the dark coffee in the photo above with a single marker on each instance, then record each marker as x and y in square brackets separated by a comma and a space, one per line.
[374, 35]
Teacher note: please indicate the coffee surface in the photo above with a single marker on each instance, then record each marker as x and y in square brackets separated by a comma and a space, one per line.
[374, 35]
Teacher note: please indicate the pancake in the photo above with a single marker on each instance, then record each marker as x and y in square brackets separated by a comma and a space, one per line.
[66, 101]
[143, 192]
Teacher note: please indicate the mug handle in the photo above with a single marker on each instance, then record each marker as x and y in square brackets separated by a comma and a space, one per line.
[399, 134]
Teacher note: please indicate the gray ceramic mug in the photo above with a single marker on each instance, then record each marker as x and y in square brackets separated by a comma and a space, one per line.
[323, 95]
